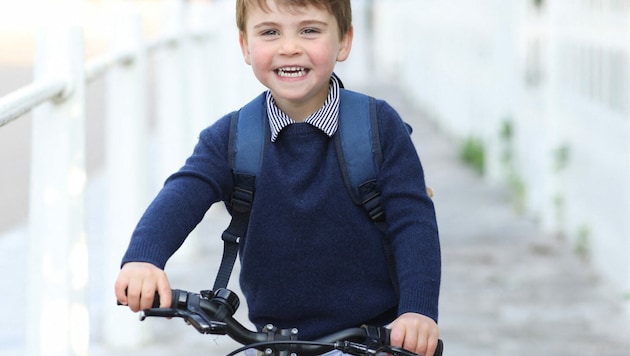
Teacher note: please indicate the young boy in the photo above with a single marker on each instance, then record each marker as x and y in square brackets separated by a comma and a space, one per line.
[312, 259]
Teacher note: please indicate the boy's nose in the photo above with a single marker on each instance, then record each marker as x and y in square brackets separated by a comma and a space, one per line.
[290, 47]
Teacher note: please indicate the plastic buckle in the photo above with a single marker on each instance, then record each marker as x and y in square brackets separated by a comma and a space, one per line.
[242, 199]
[229, 237]
[371, 201]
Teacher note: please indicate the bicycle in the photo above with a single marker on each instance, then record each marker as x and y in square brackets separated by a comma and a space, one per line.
[212, 313]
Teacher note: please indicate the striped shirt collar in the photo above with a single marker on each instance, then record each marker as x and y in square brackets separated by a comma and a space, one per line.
[325, 119]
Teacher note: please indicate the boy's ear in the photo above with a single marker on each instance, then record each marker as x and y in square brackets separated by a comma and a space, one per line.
[345, 45]
[242, 41]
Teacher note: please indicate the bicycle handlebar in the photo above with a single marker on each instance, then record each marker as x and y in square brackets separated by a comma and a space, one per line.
[212, 313]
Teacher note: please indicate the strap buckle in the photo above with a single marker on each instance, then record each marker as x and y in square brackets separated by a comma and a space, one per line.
[242, 199]
[371, 200]
[243, 193]
[229, 237]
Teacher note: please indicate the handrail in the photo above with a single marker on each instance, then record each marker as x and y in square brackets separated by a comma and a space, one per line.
[57, 99]
[164, 41]
[98, 66]
[21, 101]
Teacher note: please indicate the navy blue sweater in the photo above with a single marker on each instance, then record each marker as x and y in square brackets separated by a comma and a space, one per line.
[312, 259]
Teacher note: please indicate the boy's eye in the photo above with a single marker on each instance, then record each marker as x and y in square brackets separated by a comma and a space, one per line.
[270, 32]
[310, 31]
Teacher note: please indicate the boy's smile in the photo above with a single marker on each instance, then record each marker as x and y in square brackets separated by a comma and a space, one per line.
[293, 52]
[291, 72]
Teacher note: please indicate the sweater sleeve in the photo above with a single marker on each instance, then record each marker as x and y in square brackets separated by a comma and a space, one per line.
[411, 219]
[204, 179]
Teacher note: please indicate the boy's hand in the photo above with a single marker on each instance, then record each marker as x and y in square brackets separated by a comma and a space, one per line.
[416, 333]
[137, 283]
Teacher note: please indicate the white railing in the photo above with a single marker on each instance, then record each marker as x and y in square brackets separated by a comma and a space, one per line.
[21, 101]
[544, 87]
[192, 73]
[58, 321]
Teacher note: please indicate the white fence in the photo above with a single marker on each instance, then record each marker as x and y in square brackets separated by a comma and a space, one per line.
[192, 73]
[544, 86]
[190, 58]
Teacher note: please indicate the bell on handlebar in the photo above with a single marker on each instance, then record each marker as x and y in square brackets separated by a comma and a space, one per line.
[227, 298]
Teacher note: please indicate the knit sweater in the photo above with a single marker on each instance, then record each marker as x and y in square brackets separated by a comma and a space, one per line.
[311, 259]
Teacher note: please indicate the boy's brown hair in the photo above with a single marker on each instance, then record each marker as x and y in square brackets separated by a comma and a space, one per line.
[341, 9]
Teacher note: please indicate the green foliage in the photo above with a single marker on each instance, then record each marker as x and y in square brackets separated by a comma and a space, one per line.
[561, 157]
[516, 184]
[505, 135]
[517, 189]
[472, 152]
[507, 130]
[583, 242]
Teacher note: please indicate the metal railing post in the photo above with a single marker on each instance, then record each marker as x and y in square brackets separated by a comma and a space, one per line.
[174, 93]
[58, 322]
[172, 90]
[126, 163]
[199, 69]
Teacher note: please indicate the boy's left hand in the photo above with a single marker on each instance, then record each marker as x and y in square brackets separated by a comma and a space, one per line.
[416, 333]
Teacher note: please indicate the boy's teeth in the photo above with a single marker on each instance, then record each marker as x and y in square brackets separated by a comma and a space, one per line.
[291, 72]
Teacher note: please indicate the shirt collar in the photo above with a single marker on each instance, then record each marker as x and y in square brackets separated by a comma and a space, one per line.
[325, 119]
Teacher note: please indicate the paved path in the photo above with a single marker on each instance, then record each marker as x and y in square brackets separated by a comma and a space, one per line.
[508, 288]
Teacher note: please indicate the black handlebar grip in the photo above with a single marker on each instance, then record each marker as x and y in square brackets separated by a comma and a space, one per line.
[178, 297]
[156, 301]
[440, 348]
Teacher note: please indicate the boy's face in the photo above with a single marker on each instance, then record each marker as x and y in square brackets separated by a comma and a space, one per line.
[293, 53]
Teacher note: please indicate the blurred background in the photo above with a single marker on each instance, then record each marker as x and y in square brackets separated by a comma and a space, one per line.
[534, 95]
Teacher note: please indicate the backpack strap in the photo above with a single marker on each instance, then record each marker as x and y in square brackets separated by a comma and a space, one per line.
[245, 151]
[359, 150]
[359, 153]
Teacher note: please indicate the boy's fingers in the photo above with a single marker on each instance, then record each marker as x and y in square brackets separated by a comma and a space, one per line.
[415, 333]
[164, 290]
[138, 291]
[138, 283]
[396, 336]
[431, 347]
[133, 299]
[147, 296]
[431, 344]
[121, 293]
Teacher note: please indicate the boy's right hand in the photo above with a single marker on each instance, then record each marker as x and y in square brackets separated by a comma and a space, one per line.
[137, 283]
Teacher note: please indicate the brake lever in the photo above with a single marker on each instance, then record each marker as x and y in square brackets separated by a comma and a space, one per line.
[161, 312]
[198, 321]
[353, 348]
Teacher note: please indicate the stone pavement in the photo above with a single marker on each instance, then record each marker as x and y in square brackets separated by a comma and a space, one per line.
[507, 288]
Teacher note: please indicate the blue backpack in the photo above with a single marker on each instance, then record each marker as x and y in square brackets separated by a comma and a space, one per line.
[358, 150]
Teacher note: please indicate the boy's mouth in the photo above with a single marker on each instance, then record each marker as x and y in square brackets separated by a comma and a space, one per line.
[291, 72]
